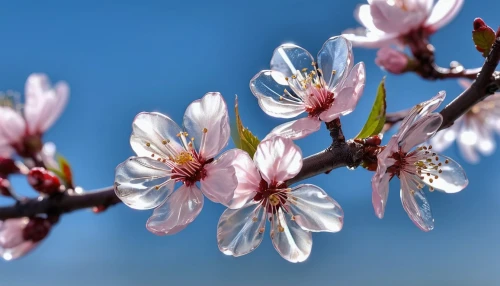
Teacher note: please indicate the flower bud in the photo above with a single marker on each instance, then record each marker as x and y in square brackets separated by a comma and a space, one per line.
[36, 229]
[44, 181]
[5, 188]
[479, 24]
[7, 167]
[392, 60]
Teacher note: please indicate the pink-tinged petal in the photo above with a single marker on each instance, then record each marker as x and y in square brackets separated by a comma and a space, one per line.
[240, 231]
[12, 126]
[11, 232]
[449, 177]
[278, 159]
[415, 204]
[296, 129]
[335, 60]
[443, 12]
[348, 95]
[443, 139]
[6, 151]
[291, 241]
[143, 183]
[391, 18]
[179, 210]
[464, 83]
[220, 181]
[421, 110]
[361, 37]
[380, 193]
[420, 131]
[364, 17]
[208, 113]
[44, 104]
[248, 178]
[314, 210]
[150, 130]
[18, 251]
[269, 86]
[290, 59]
[485, 136]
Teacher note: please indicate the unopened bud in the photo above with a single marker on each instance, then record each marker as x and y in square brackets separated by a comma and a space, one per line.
[44, 181]
[5, 188]
[392, 60]
[36, 229]
[479, 24]
[7, 167]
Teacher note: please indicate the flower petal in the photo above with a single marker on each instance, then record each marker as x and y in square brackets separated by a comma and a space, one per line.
[150, 130]
[143, 183]
[248, 178]
[208, 113]
[240, 231]
[44, 104]
[12, 126]
[290, 59]
[289, 239]
[349, 93]
[443, 12]
[443, 139]
[220, 181]
[11, 232]
[278, 159]
[449, 177]
[380, 192]
[268, 86]
[415, 204]
[335, 60]
[179, 210]
[485, 136]
[314, 210]
[420, 131]
[18, 251]
[420, 110]
[361, 37]
[391, 18]
[296, 129]
[464, 83]
[364, 17]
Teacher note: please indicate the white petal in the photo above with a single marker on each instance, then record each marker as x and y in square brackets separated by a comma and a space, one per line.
[420, 131]
[179, 210]
[380, 192]
[415, 204]
[335, 60]
[150, 130]
[420, 110]
[209, 112]
[296, 129]
[11, 232]
[289, 239]
[449, 177]
[278, 159]
[248, 178]
[485, 136]
[314, 210]
[349, 93]
[12, 126]
[360, 37]
[137, 180]
[18, 251]
[272, 97]
[290, 59]
[364, 17]
[220, 181]
[443, 139]
[240, 231]
[443, 12]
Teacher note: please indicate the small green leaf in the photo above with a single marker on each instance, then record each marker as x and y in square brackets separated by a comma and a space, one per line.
[376, 119]
[483, 38]
[242, 137]
[64, 171]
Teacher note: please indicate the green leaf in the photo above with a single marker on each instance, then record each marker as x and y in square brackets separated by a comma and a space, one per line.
[376, 119]
[483, 38]
[64, 171]
[242, 137]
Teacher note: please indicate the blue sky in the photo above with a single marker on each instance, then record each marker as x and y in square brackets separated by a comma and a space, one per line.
[124, 58]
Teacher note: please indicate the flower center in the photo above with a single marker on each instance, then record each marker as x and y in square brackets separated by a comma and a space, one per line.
[309, 88]
[421, 163]
[186, 163]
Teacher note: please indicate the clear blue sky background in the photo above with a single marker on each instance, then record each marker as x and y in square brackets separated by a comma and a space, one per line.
[124, 58]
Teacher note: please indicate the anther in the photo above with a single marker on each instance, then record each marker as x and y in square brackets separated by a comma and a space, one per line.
[254, 219]
[205, 130]
[148, 144]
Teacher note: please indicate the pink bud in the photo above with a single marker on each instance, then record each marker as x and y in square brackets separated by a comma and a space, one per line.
[391, 60]
[479, 24]
[44, 181]
[36, 229]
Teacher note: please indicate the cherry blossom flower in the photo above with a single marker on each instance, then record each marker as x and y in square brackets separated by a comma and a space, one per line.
[21, 127]
[297, 84]
[262, 193]
[389, 21]
[474, 131]
[416, 168]
[18, 236]
[391, 60]
[166, 154]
